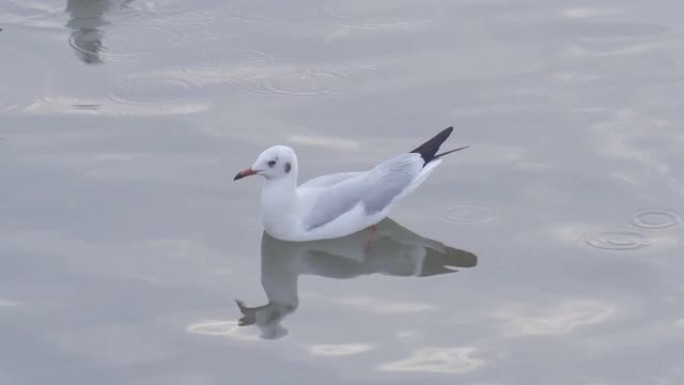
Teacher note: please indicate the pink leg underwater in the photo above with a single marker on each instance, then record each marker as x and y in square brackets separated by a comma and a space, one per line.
[372, 237]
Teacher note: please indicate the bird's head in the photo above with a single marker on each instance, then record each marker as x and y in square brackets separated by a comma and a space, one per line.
[274, 163]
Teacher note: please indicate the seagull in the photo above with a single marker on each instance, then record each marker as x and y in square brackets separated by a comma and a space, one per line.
[337, 205]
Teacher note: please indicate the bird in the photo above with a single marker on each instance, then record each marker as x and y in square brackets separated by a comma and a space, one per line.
[340, 204]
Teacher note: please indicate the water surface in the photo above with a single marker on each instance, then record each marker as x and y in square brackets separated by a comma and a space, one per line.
[548, 252]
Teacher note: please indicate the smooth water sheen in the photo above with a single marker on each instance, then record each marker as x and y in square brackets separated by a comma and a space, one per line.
[549, 252]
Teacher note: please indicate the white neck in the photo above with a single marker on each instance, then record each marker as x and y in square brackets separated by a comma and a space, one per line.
[277, 199]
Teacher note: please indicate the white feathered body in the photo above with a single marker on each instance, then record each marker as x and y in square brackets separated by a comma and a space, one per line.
[337, 205]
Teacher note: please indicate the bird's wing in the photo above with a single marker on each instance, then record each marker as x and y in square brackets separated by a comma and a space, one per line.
[328, 180]
[374, 190]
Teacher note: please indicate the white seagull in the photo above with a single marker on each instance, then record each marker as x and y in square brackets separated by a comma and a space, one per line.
[337, 205]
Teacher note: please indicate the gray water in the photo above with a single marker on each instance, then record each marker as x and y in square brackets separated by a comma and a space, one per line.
[547, 253]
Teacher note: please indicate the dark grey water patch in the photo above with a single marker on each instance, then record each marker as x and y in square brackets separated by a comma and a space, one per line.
[468, 214]
[616, 239]
[655, 219]
[87, 106]
[384, 14]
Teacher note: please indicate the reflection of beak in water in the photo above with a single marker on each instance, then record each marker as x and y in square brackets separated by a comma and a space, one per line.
[394, 250]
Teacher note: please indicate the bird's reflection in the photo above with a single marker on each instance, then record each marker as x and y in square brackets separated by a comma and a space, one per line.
[86, 21]
[86, 18]
[386, 248]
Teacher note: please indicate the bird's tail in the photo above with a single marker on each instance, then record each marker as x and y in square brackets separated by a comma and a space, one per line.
[450, 151]
[428, 150]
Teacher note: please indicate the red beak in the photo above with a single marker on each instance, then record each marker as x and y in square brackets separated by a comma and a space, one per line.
[244, 173]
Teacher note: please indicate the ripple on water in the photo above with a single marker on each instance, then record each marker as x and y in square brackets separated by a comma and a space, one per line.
[152, 91]
[655, 219]
[32, 13]
[125, 41]
[229, 64]
[208, 22]
[616, 239]
[311, 82]
[266, 11]
[468, 214]
[382, 14]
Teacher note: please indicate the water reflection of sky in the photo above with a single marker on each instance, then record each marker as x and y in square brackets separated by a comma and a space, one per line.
[124, 243]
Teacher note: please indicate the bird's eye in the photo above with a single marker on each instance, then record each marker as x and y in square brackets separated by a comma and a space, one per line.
[271, 163]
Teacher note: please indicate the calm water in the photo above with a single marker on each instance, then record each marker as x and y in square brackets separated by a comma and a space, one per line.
[548, 253]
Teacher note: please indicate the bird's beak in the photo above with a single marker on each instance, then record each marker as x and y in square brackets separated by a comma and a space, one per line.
[244, 173]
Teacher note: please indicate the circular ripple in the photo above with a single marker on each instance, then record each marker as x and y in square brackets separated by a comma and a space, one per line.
[123, 41]
[616, 239]
[264, 11]
[314, 82]
[229, 65]
[33, 13]
[311, 82]
[382, 14]
[152, 91]
[468, 214]
[655, 219]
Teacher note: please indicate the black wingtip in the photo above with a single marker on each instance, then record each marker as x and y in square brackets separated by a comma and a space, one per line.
[428, 150]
